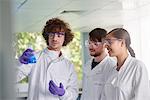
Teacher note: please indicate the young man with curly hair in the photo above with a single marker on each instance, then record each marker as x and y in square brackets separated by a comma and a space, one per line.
[51, 77]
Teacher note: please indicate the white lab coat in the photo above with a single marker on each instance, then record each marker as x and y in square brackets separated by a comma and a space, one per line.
[130, 83]
[93, 80]
[44, 70]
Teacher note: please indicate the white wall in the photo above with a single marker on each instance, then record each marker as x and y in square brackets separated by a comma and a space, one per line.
[6, 59]
[139, 29]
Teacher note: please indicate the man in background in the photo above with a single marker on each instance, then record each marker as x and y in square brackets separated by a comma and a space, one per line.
[95, 70]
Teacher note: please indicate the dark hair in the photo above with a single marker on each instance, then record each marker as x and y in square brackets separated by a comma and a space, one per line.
[97, 34]
[56, 23]
[121, 33]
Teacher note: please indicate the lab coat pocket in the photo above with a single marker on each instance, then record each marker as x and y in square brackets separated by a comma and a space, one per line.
[126, 88]
[99, 81]
[98, 88]
[109, 92]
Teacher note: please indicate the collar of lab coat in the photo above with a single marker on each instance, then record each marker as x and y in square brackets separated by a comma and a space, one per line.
[114, 74]
[48, 53]
[125, 65]
[98, 67]
[95, 70]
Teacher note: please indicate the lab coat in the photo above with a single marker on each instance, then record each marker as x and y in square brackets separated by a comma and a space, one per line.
[131, 82]
[46, 69]
[94, 80]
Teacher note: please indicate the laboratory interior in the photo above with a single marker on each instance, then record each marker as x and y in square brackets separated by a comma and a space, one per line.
[22, 21]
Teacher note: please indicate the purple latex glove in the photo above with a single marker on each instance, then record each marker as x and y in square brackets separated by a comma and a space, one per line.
[25, 57]
[55, 90]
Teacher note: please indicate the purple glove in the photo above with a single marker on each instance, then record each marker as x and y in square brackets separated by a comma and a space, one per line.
[26, 56]
[55, 90]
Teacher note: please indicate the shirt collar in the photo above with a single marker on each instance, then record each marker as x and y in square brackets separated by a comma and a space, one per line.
[53, 54]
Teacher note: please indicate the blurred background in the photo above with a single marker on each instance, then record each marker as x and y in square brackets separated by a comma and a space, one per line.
[25, 20]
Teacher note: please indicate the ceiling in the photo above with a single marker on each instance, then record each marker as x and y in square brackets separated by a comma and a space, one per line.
[82, 15]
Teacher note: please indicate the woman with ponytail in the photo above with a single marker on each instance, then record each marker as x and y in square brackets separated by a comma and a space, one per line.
[129, 78]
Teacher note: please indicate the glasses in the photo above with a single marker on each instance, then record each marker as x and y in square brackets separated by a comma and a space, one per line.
[52, 34]
[110, 41]
[88, 43]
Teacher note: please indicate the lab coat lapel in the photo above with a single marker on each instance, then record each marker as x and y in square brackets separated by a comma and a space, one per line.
[116, 76]
[46, 51]
[124, 68]
[125, 65]
[99, 68]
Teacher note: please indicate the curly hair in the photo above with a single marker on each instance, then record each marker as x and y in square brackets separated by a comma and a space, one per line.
[54, 24]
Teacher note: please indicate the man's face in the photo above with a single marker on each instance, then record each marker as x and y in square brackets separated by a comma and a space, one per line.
[56, 39]
[96, 48]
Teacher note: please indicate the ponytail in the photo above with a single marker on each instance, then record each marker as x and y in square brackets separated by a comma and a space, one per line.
[121, 33]
[131, 51]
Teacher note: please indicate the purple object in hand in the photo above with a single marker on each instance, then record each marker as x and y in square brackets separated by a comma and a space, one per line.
[55, 90]
[26, 56]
